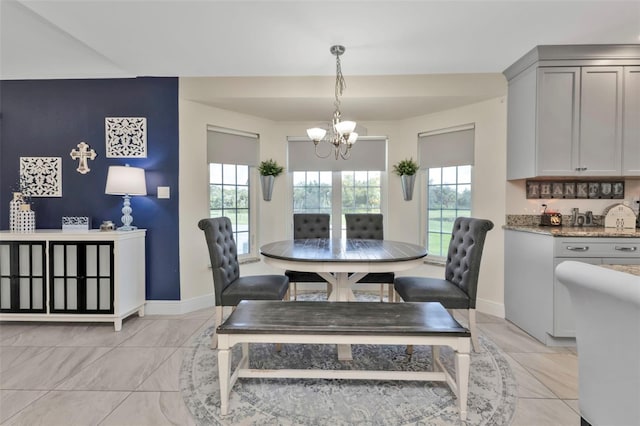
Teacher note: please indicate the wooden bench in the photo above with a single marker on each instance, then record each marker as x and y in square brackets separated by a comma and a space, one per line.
[371, 323]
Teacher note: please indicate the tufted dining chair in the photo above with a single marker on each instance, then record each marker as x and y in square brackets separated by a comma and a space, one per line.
[308, 226]
[229, 287]
[459, 287]
[369, 226]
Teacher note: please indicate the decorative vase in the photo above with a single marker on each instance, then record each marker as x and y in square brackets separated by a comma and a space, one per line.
[267, 187]
[14, 210]
[25, 219]
[407, 186]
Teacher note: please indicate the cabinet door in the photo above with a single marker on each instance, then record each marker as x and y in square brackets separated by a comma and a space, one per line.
[564, 323]
[558, 118]
[601, 121]
[81, 277]
[22, 277]
[631, 122]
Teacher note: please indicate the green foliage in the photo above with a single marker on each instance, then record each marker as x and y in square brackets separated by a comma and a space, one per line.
[406, 167]
[270, 168]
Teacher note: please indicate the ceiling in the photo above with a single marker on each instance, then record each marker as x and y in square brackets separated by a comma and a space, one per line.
[242, 55]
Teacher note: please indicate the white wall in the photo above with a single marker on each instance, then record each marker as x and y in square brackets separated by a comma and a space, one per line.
[402, 217]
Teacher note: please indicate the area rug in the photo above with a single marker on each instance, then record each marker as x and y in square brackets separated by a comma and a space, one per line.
[492, 387]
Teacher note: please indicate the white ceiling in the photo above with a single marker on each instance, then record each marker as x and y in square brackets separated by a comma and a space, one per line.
[274, 39]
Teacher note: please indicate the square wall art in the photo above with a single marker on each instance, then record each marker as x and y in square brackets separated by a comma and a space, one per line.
[126, 137]
[41, 176]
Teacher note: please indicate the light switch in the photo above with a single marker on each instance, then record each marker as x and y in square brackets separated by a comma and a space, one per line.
[163, 192]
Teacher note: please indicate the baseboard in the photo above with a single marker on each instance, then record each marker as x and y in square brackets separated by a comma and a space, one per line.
[179, 307]
[489, 307]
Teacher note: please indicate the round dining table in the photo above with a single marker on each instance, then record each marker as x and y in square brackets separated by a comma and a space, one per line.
[343, 262]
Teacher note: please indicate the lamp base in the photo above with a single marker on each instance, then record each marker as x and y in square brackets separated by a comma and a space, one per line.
[126, 228]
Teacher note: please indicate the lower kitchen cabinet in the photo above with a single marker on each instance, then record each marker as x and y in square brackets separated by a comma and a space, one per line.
[51, 275]
[534, 299]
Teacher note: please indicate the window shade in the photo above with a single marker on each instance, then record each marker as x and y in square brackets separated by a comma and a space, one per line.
[368, 154]
[232, 147]
[447, 147]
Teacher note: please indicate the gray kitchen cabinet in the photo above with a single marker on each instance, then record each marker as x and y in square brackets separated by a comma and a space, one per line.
[600, 149]
[558, 107]
[631, 123]
[572, 112]
[534, 299]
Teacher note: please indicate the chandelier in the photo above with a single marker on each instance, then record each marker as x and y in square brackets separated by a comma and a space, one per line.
[341, 133]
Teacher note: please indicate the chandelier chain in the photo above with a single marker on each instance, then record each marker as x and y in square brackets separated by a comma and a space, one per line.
[341, 84]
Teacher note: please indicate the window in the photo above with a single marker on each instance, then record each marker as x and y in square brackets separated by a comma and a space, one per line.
[447, 155]
[449, 196]
[232, 172]
[337, 193]
[229, 196]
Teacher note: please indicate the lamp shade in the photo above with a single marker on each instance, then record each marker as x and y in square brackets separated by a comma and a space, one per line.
[125, 180]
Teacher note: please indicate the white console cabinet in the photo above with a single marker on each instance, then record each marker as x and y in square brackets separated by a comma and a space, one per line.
[54, 275]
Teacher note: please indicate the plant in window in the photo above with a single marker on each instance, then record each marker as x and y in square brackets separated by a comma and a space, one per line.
[406, 167]
[407, 170]
[270, 168]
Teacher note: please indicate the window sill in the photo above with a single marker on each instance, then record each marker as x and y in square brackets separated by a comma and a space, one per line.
[248, 260]
[438, 261]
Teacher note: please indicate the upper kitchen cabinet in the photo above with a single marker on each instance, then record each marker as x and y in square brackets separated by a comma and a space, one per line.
[573, 111]
[631, 122]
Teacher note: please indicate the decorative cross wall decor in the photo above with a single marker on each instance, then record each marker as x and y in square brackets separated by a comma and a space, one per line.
[82, 154]
[126, 137]
[42, 176]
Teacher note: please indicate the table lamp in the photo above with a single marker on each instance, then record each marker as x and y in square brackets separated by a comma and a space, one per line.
[126, 181]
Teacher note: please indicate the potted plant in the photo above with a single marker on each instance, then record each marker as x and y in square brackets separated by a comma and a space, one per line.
[268, 169]
[407, 170]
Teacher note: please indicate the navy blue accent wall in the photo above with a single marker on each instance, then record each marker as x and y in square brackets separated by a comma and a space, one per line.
[48, 118]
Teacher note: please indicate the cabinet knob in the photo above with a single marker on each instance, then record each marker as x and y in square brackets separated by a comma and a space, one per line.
[580, 169]
[626, 248]
[574, 248]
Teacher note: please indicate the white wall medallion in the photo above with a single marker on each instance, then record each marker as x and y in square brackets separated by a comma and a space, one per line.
[126, 137]
[82, 154]
[42, 176]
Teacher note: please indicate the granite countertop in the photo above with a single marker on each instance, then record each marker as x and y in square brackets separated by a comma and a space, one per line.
[575, 231]
[629, 269]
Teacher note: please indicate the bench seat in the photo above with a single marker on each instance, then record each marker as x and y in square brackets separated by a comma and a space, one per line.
[371, 323]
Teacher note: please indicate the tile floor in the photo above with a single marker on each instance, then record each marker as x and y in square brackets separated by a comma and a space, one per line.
[86, 374]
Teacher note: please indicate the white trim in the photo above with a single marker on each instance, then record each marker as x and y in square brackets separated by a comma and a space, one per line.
[211, 127]
[179, 307]
[490, 307]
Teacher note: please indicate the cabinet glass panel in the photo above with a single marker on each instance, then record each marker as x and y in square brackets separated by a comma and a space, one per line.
[37, 260]
[92, 294]
[58, 294]
[25, 293]
[72, 260]
[5, 293]
[24, 262]
[72, 294]
[92, 260]
[37, 292]
[5, 258]
[58, 260]
[105, 293]
[105, 261]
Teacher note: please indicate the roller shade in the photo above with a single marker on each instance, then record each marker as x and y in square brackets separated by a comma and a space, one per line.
[447, 147]
[368, 154]
[231, 147]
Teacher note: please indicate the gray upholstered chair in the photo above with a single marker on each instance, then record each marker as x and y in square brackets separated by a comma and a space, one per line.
[229, 287]
[369, 226]
[459, 287]
[308, 226]
[606, 306]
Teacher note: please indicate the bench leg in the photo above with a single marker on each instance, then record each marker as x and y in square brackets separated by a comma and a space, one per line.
[435, 355]
[462, 361]
[224, 374]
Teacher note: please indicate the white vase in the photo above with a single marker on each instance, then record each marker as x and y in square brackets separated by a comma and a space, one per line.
[25, 219]
[14, 210]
